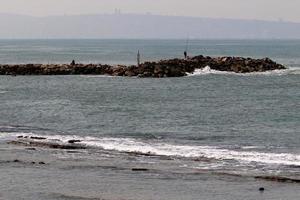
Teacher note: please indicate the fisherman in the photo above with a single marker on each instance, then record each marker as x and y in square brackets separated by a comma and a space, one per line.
[73, 63]
[185, 55]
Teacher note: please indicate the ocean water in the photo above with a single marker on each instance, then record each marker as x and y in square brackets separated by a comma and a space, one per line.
[203, 136]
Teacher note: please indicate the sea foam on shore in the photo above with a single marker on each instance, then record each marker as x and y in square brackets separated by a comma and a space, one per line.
[155, 148]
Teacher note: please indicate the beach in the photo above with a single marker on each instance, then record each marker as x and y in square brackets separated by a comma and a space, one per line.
[207, 135]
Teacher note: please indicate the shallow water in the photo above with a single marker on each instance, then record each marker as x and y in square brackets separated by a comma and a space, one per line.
[203, 136]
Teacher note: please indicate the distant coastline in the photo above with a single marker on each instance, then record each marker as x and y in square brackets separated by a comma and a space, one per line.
[142, 26]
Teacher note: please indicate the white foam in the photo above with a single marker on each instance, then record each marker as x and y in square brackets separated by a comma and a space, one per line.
[131, 145]
[7, 136]
[252, 147]
[165, 149]
[289, 71]
[8, 127]
[207, 70]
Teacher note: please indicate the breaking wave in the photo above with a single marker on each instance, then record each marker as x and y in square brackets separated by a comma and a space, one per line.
[207, 70]
[155, 148]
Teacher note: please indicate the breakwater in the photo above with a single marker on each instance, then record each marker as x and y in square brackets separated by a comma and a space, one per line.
[163, 68]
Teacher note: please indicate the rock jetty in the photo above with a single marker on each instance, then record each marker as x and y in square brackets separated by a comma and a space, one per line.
[164, 68]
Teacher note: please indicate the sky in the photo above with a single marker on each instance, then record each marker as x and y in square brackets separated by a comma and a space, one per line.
[274, 10]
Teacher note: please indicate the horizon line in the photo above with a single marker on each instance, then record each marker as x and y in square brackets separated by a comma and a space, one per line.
[151, 14]
[199, 39]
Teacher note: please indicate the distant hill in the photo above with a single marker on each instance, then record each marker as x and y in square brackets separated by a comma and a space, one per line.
[143, 26]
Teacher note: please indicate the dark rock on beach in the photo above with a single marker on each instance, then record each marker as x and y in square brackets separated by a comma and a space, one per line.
[38, 138]
[33, 143]
[73, 141]
[164, 68]
[261, 189]
[279, 179]
[139, 169]
[31, 149]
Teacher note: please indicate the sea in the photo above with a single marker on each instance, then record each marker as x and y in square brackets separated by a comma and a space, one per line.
[207, 136]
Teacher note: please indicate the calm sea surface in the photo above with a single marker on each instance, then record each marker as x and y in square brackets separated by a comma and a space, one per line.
[204, 136]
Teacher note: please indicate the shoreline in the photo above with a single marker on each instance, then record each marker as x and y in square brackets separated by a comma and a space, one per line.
[71, 144]
[164, 68]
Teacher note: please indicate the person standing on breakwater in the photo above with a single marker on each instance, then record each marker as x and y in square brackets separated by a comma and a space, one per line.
[186, 49]
[73, 63]
[185, 55]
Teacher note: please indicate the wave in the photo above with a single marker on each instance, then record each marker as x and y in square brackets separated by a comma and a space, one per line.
[207, 70]
[6, 127]
[6, 136]
[155, 148]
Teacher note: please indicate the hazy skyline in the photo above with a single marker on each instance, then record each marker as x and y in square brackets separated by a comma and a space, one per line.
[128, 26]
[236, 9]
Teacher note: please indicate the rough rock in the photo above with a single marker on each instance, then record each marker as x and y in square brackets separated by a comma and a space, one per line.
[164, 68]
[279, 179]
[139, 169]
[73, 141]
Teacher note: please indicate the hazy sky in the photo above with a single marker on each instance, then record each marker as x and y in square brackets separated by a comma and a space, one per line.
[287, 10]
